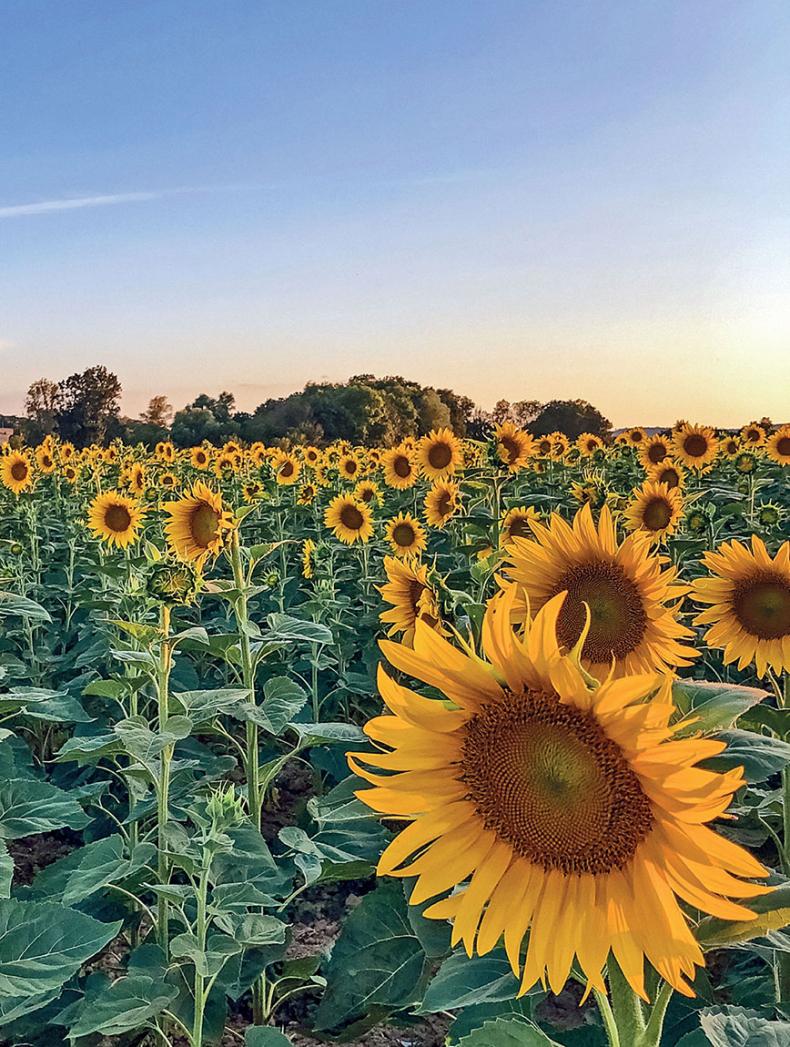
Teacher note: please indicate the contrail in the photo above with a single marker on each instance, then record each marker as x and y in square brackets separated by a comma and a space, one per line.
[75, 203]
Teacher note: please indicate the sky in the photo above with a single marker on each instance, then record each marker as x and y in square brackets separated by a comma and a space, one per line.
[512, 198]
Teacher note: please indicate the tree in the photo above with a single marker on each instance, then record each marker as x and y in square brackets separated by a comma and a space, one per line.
[461, 410]
[88, 406]
[41, 407]
[159, 412]
[206, 418]
[572, 417]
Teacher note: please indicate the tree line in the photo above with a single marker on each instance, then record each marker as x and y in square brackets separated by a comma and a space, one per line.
[85, 408]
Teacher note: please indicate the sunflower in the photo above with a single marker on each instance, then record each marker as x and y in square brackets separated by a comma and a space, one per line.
[632, 599]
[367, 491]
[312, 456]
[115, 518]
[200, 458]
[406, 535]
[226, 463]
[169, 481]
[349, 467]
[753, 434]
[544, 445]
[44, 458]
[198, 524]
[287, 468]
[70, 473]
[634, 437]
[654, 450]
[439, 454]
[135, 478]
[16, 472]
[745, 463]
[552, 806]
[590, 492]
[441, 502]
[769, 514]
[749, 598]
[656, 509]
[668, 472]
[411, 596]
[513, 446]
[696, 446]
[559, 444]
[165, 452]
[307, 494]
[308, 549]
[66, 452]
[730, 446]
[400, 470]
[778, 445]
[252, 491]
[350, 520]
[588, 444]
[515, 523]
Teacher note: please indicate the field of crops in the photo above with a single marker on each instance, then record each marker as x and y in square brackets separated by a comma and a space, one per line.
[477, 743]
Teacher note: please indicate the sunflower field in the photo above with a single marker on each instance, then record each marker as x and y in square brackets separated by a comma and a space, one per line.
[484, 744]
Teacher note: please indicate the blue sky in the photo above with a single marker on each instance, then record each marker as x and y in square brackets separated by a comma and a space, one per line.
[516, 199]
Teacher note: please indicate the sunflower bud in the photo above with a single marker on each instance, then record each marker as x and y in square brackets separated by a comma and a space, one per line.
[173, 583]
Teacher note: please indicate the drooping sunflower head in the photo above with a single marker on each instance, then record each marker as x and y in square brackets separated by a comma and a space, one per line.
[199, 525]
[411, 596]
[439, 454]
[696, 446]
[308, 552]
[400, 468]
[350, 520]
[514, 446]
[632, 597]
[778, 445]
[286, 468]
[655, 509]
[516, 523]
[559, 444]
[547, 805]
[115, 519]
[16, 471]
[45, 459]
[654, 450]
[748, 598]
[406, 535]
[441, 503]
[200, 458]
[753, 434]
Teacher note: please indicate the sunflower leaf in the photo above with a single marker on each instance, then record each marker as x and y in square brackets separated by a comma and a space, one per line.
[772, 913]
[713, 706]
[508, 1032]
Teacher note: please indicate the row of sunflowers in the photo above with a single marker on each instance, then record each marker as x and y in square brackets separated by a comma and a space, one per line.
[569, 825]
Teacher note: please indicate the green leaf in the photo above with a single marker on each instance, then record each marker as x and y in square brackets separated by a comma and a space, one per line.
[736, 1027]
[265, 1038]
[28, 806]
[124, 1006]
[6, 870]
[758, 754]
[462, 982]
[377, 961]
[327, 734]
[713, 706]
[89, 749]
[772, 914]
[508, 1032]
[10, 603]
[283, 699]
[100, 863]
[285, 627]
[43, 944]
[205, 705]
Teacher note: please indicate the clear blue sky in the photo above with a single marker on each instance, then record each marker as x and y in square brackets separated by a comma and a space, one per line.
[516, 199]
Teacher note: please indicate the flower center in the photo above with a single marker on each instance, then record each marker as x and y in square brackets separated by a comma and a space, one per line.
[695, 445]
[351, 517]
[403, 535]
[783, 445]
[286, 469]
[440, 455]
[402, 466]
[204, 525]
[617, 615]
[19, 471]
[762, 606]
[656, 453]
[519, 527]
[657, 514]
[545, 778]
[511, 449]
[118, 518]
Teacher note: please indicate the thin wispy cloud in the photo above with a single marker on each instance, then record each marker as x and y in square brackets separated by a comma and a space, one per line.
[78, 203]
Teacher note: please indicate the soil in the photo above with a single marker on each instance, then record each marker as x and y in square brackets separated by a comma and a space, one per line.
[31, 854]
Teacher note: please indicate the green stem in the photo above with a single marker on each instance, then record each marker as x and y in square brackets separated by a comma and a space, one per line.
[627, 1007]
[655, 1024]
[248, 679]
[607, 1016]
[163, 797]
[201, 929]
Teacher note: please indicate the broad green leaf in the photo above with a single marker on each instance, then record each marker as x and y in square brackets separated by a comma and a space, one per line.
[89, 749]
[736, 1027]
[772, 913]
[101, 863]
[377, 961]
[713, 706]
[758, 754]
[283, 699]
[124, 1006]
[252, 929]
[28, 806]
[10, 603]
[201, 706]
[6, 870]
[508, 1032]
[43, 944]
[266, 1038]
[463, 982]
[327, 734]
[14, 1007]
[285, 627]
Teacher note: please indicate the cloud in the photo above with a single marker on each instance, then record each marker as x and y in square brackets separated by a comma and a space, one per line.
[5, 344]
[76, 203]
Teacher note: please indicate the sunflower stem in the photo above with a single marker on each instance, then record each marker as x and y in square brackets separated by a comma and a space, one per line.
[163, 791]
[627, 1007]
[655, 1023]
[607, 1016]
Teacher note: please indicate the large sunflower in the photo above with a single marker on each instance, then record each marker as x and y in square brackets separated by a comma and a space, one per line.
[551, 806]
[406, 535]
[749, 597]
[514, 446]
[439, 454]
[655, 509]
[16, 471]
[115, 518]
[411, 596]
[198, 525]
[400, 470]
[778, 445]
[696, 446]
[441, 502]
[350, 520]
[631, 596]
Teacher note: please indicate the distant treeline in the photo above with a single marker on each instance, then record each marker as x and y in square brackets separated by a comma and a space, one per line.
[85, 408]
